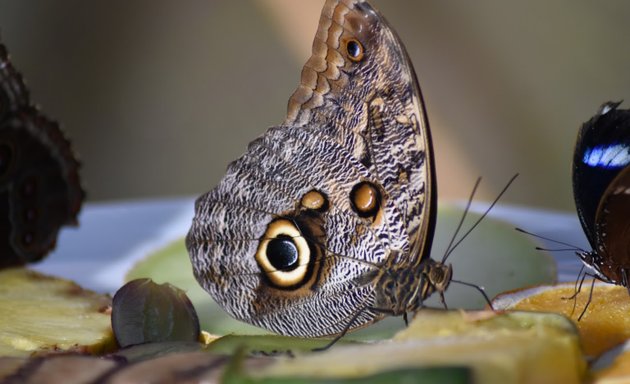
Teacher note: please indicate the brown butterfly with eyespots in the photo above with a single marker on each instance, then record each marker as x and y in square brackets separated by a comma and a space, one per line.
[325, 224]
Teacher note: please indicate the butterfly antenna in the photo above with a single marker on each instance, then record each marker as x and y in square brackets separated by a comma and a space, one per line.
[451, 249]
[571, 246]
[555, 249]
[479, 289]
[461, 221]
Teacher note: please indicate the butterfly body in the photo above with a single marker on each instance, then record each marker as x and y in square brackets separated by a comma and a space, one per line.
[311, 227]
[601, 184]
[401, 289]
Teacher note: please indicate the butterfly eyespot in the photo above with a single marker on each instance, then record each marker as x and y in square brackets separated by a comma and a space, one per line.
[283, 254]
[29, 188]
[28, 238]
[30, 214]
[314, 200]
[365, 199]
[6, 157]
[354, 50]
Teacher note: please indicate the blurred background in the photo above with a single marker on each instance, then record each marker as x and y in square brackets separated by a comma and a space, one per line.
[159, 96]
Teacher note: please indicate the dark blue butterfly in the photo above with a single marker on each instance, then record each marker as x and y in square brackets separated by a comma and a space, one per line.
[601, 187]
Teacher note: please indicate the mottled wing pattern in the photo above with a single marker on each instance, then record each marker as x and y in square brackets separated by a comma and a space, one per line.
[355, 127]
[374, 109]
[262, 186]
[39, 180]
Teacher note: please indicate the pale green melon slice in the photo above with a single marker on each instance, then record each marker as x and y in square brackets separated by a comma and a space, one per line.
[41, 314]
[518, 347]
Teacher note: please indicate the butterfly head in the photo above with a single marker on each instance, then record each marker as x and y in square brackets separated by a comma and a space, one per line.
[438, 277]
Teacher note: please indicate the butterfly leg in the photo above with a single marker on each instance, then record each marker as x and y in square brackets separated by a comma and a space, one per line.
[577, 289]
[624, 279]
[578, 284]
[478, 288]
[332, 342]
[588, 302]
[443, 301]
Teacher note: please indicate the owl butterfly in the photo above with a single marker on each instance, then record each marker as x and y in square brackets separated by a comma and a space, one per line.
[326, 222]
[39, 179]
[601, 188]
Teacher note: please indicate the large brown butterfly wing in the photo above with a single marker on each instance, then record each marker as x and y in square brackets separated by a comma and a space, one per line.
[612, 228]
[293, 236]
[39, 179]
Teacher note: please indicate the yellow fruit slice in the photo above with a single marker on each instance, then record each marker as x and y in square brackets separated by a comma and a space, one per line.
[40, 314]
[605, 323]
[517, 347]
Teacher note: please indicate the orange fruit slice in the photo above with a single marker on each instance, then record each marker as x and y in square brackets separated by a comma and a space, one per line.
[605, 322]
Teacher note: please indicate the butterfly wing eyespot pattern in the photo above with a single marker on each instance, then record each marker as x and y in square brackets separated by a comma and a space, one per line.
[601, 188]
[40, 189]
[325, 224]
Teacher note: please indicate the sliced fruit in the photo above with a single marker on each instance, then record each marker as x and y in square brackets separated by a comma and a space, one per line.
[605, 322]
[43, 314]
[518, 347]
[206, 338]
[243, 370]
